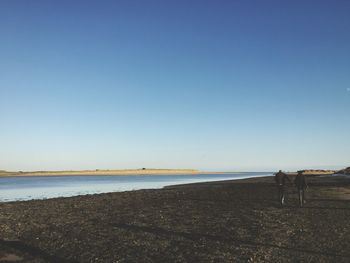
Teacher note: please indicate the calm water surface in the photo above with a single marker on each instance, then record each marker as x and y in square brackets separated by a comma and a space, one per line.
[27, 188]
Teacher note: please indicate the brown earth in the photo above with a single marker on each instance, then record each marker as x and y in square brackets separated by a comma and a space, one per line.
[232, 221]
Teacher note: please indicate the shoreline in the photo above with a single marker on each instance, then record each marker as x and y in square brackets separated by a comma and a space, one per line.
[137, 172]
[192, 180]
[230, 221]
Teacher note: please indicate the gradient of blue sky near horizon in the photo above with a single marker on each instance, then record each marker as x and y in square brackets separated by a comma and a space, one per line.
[212, 85]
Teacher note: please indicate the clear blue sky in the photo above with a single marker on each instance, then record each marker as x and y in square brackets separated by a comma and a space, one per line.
[212, 85]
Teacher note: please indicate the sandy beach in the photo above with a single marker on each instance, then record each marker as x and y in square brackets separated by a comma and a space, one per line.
[100, 172]
[231, 221]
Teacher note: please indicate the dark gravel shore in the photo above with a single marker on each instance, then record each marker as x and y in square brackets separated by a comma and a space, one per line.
[233, 221]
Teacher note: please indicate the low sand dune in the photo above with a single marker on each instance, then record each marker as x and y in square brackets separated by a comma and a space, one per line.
[102, 172]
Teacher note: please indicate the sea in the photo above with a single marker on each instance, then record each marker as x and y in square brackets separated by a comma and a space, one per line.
[44, 187]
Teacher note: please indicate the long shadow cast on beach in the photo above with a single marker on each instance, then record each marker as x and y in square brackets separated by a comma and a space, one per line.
[197, 237]
[33, 251]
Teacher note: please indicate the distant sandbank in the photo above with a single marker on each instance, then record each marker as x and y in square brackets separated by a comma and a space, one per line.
[96, 172]
[142, 171]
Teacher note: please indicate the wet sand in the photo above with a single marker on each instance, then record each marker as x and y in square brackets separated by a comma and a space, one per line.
[231, 221]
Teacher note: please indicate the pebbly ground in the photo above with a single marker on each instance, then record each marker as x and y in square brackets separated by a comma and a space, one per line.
[232, 221]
